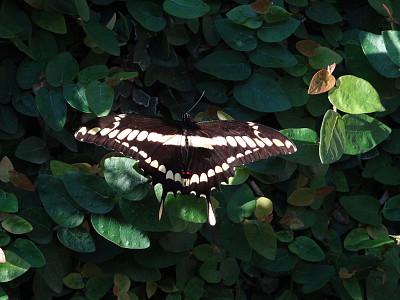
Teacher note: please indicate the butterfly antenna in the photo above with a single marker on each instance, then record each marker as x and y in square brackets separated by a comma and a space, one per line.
[197, 102]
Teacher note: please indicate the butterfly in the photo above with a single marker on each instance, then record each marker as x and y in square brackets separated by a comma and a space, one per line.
[186, 157]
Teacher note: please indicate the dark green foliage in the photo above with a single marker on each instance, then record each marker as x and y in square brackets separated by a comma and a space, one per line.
[80, 223]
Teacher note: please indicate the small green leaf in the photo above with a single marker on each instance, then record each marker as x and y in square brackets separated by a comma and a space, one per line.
[100, 97]
[103, 37]
[98, 286]
[83, 9]
[391, 210]
[58, 168]
[229, 271]
[188, 9]
[352, 286]
[363, 133]
[324, 57]
[348, 92]
[209, 273]
[276, 32]
[14, 267]
[261, 93]
[323, 13]
[332, 136]
[276, 14]
[114, 228]
[8, 202]
[27, 250]
[89, 191]
[93, 73]
[147, 13]
[77, 239]
[74, 280]
[52, 107]
[306, 249]
[261, 238]
[75, 94]
[187, 208]
[33, 149]
[25, 104]
[244, 15]
[358, 239]
[57, 202]
[16, 225]
[225, 64]
[375, 50]
[120, 174]
[363, 208]
[50, 20]
[237, 37]
[61, 69]
[241, 204]
[272, 55]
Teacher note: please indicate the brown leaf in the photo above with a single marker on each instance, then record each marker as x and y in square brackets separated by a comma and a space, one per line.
[21, 181]
[261, 6]
[5, 167]
[307, 47]
[345, 274]
[323, 191]
[321, 82]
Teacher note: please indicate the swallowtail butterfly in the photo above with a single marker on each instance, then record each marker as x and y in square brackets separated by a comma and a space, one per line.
[185, 156]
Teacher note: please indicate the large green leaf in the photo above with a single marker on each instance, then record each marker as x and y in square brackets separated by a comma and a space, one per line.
[14, 267]
[323, 13]
[103, 37]
[61, 69]
[261, 238]
[391, 39]
[348, 92]
[75, 94]
[374, 48]
[225, 64]
[33, 149]
[363, 208]
[391, 210]
[116, 229]
[28, 251]
[332, 137]
[100, 97]
[57, 202]
[241, 204]
[245, 15]
[50, 20]
[363, 133]
[276, 32]
[8, 202]
[306, 249]
[147, 13]
[16, 225]
[313, 276]
[272, 55]
[188, 9]
[237, 37]
[52, 107]
[77, 239]
[26, 104]
[89, 191]
[261, 93]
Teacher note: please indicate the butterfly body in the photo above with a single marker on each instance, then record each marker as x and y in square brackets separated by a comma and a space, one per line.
[186, 157]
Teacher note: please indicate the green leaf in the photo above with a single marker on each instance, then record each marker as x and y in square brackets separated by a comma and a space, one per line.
[214, 91]
[392, 144]
[358, 239]
[209, 273]
[307, 145]
[241, 204]
[8, 202]
[188, 9]
[14, 267]
[261, 93]
[77, 239]
[98, 286]
[276, 32]
[103, 37]
[64, 137]
[58, 168]
[74, 280]
[50, 20]
[332, 136]
[178, 241]
[352, 286]
[363, 208]
[391, 39]
[229, 271]
[346, 96]
[25, 104]
[244, 15]
[16, 225]
[100, 97]
[313, 276]
[120, 174]
[89, 191]
[261, 238]
[276, 14]
[272, 55]
[147, 13]
[75, 94]
[306, 249]
[61, 69]
[194, 288]
[375, 50]
[42, 232]
[323, 13]
[92, 73]
[83, 9]
[225, 64]
[301, 197]
[234, 240]
[28, 251]
[391, 210]
[324, 57]
[53, 271]
[57, 202]
[237, 37]
[33, 149]
[52, 107]
[363, 133]
[8, 119]
[116, 229]
[187, 208]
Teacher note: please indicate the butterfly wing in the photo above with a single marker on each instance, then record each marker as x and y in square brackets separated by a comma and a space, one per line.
[153, 141]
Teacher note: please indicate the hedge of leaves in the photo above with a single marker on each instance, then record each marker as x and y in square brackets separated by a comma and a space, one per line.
[80, 223]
